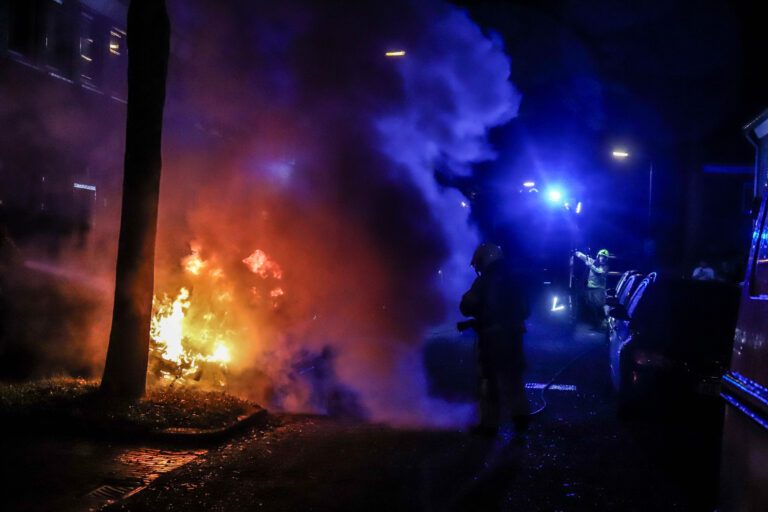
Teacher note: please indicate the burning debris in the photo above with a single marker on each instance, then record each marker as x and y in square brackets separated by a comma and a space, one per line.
[261, 265]
[193, 335]
[182, 352]
[193, 263]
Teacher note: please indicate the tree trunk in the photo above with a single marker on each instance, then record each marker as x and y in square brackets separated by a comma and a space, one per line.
[125, 372]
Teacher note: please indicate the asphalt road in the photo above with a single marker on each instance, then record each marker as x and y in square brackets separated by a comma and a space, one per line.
[577, 456]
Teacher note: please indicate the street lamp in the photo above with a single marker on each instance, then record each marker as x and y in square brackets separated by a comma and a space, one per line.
[620, 154]
[554, 195]
[623, 154]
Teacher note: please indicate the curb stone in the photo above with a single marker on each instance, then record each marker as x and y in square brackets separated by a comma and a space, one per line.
[254, 417]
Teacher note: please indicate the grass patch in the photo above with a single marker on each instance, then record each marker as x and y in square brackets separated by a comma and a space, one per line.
[78, 403]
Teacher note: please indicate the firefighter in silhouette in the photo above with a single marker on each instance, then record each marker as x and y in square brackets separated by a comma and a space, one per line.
[498, 305]
[596, 283]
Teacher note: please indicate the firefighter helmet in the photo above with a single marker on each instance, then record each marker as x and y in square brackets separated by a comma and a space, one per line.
[604, 252]
[485, 254]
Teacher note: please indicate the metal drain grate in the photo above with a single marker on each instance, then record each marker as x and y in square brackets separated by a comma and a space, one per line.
[111, 492]
[135, 470]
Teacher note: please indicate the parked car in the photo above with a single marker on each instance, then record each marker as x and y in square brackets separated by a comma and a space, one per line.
[621, 309]
[625, 286]
[671, 338]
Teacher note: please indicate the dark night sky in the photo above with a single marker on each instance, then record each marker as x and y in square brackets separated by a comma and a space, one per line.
[674, 81]
[647, 70]
[697, 65]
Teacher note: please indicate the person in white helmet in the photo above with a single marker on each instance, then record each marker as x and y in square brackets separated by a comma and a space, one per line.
[498, 304]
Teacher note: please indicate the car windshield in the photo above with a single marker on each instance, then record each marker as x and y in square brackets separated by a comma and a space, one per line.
[627, 289]
[633, 302]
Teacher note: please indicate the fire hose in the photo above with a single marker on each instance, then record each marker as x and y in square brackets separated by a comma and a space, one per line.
[558, 373]
[471, 323]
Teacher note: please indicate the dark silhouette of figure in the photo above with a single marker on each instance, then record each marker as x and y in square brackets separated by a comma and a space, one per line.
[498, 304]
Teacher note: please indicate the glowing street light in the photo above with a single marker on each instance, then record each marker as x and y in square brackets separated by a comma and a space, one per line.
[554, 195]
[529, 184]
[620, 154]
[395, 53]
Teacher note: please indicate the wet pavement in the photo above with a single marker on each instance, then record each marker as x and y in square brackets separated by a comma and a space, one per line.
[576, 456]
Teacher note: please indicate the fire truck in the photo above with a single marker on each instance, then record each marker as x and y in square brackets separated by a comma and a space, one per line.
[744, 467]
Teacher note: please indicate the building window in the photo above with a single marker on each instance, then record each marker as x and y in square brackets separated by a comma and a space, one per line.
[116, 65]
[59, 39]
[21, 27]
[90, 57]
[116, 42]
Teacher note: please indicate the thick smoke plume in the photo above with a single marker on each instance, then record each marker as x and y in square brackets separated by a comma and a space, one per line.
[288, 131]
[291, 132]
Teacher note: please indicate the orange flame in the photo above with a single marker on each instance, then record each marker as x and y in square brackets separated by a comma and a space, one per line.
[194, 263]
[186, 350]
[261, 265]
[193, 336]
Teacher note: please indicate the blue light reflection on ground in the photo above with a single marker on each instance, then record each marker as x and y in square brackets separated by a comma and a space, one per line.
[554, 387]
